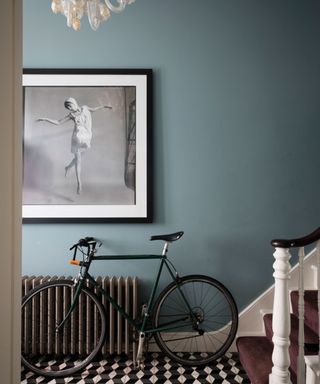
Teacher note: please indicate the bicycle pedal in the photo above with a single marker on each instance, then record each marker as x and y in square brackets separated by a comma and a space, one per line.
[139, 364]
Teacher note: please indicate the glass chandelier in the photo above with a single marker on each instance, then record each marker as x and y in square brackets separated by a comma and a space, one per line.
[96, 10]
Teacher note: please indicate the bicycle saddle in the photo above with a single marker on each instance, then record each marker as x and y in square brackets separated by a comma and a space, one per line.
[172, 237]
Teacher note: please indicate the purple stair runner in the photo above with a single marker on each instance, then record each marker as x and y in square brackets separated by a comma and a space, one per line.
[255, 352]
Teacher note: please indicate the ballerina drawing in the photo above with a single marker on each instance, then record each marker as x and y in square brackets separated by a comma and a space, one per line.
[81, 135]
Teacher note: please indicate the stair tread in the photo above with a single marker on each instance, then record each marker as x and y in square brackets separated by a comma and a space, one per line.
[249, 348]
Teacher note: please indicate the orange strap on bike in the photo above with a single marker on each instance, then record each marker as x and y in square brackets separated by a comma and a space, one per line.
[74, 262]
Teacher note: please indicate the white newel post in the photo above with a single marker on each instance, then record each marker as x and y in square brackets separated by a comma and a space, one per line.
[281, 318]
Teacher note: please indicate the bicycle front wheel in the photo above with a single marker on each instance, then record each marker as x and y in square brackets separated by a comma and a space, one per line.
[53, 352]
[196, 320]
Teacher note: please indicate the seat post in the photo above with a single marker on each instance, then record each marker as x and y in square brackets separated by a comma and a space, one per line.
[165, 248]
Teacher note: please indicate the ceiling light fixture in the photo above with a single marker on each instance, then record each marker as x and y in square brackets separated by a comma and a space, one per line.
[97, 11]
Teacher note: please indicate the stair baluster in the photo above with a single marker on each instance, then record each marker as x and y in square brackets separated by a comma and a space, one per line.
[301, 365]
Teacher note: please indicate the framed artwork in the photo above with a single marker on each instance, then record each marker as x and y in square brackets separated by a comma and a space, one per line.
[87, 145]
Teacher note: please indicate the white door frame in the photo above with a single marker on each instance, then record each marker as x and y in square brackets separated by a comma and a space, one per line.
[10, 188]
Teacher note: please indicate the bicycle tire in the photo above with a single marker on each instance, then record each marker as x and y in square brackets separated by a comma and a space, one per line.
[49, 353]
[204, 336]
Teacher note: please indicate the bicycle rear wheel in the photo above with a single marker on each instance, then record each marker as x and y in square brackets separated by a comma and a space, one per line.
[197, 320]
[53, 353]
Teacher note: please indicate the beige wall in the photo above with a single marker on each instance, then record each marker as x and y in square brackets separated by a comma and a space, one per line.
[10, 189]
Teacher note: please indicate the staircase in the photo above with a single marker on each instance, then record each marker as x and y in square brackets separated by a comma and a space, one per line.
[286, 352]
[255, 352]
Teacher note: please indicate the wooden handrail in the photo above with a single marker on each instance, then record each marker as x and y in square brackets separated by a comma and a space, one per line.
[300, 242]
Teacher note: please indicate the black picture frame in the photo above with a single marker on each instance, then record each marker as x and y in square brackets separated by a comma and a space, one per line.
[87, 145]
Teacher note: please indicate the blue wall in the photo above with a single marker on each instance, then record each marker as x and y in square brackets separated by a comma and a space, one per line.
[236, 130]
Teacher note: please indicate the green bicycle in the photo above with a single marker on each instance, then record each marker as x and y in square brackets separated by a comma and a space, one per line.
[194, 319]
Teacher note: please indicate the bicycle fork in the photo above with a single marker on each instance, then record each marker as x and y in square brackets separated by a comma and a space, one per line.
[73, 304]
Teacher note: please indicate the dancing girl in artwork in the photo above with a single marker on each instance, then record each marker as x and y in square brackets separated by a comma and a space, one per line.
[81, 135]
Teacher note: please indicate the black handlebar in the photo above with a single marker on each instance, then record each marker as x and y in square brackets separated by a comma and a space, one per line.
[86, 242]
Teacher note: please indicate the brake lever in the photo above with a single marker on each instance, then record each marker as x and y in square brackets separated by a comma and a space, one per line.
[75, 251]
[73, 247]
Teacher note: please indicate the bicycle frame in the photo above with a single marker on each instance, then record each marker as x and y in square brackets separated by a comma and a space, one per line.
[193, 320]
[140, 326]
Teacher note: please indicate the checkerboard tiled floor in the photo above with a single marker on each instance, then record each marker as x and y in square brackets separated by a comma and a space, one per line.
[157, 369]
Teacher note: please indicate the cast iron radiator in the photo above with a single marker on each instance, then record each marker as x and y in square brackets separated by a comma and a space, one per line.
[84, 326]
